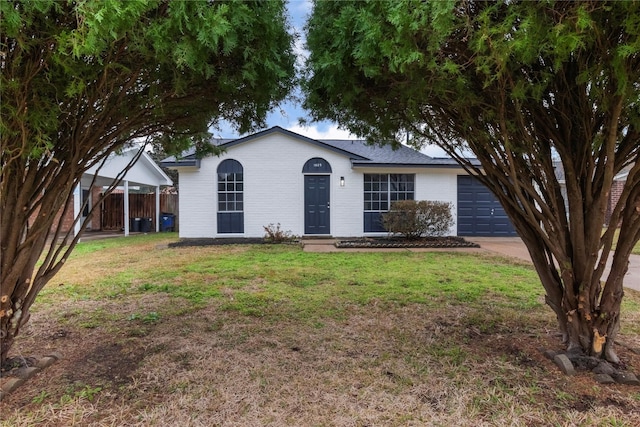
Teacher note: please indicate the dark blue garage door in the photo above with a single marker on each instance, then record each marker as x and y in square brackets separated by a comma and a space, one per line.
[479, 212]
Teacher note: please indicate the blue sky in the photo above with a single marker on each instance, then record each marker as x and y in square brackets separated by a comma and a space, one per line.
[289, 114]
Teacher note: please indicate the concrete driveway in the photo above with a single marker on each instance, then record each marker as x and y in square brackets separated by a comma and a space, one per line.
[514, 247]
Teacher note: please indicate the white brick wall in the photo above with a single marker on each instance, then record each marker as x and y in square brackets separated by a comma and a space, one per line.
[440, 185]
[435, 184]
[197, 202]
[274, 188]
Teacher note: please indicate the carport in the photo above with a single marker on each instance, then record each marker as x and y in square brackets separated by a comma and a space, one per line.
[143, 173]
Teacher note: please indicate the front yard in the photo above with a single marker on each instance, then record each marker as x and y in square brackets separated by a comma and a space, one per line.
[257, 335]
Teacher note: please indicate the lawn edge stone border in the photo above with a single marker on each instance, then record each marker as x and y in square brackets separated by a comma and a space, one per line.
[22, 374]
[433, 242]
[604, 372]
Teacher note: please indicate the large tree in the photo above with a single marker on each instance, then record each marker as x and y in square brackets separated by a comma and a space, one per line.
[520, 84]
[81, 79]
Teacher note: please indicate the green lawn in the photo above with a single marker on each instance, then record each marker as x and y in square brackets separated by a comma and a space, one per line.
[262, 275]
[272, 335]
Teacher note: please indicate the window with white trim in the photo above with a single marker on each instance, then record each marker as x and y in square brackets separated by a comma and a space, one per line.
[230, 197]
[230, 192]
[380, 191]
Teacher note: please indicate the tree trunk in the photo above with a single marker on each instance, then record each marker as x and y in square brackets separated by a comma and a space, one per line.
[32, 246]
[14, 310]
[588, 325]
[590, 331]
[6, 342]
[19, 286]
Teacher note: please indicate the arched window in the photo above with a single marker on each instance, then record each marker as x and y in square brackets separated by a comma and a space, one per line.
[316, 165]
[230, 197]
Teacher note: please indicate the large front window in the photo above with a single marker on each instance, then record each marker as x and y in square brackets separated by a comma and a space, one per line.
[230, 197]
[380, 191]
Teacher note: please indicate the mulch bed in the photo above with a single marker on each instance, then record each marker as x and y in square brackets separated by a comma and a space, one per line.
[397, 242]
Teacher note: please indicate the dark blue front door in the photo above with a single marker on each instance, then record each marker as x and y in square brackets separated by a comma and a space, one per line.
[479, 212]
[316, 204]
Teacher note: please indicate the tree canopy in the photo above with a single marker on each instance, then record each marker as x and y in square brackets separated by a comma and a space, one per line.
[80, 79]
[545, 94]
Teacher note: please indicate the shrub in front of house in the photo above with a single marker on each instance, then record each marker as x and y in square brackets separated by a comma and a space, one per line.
[413, 219]
[275, 234]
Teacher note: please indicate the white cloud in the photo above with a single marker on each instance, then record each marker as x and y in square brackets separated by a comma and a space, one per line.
[301, 53]
[313, 132]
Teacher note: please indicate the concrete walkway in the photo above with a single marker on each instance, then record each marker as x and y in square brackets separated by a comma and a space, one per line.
[507, 246]
[632, 278]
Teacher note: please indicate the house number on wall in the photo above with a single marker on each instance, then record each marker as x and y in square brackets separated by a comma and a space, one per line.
[317, 165]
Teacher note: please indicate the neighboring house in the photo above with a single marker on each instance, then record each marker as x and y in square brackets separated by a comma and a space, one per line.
[313, 187]
[619, 181]
[144, 173]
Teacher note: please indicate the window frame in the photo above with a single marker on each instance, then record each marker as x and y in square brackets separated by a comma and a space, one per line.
[230, 183]
[379, 194]
[393, 190]
[230, 197]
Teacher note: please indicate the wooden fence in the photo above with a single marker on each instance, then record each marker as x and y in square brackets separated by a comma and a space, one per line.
[140, 206]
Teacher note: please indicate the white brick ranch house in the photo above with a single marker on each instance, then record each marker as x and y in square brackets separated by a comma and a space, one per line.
[311, 187]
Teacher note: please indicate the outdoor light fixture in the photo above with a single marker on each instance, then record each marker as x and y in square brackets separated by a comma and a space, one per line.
[342, 181]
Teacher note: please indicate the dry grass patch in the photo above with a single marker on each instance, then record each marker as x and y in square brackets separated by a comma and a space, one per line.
[381, 365]
[335, 348]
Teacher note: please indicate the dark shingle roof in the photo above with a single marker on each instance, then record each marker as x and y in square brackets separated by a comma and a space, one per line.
[360, 153]
[386, 155]
[559, 172]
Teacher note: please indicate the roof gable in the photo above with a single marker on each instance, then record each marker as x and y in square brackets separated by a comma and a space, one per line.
[145, 171]
[297, 136]
[624, 173]
[360, 152]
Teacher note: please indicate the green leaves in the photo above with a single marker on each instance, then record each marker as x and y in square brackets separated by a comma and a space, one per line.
[81, 79]
[518, 83]
[10, 17]
[188, 64]
[420, 56]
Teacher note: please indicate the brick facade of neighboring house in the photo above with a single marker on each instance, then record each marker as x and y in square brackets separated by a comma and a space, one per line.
[619, 182]
[67, 222]
[614, 196]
